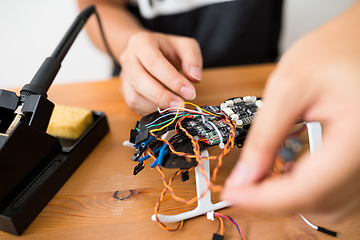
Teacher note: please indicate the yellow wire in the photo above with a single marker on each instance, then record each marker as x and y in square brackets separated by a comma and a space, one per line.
[177, 113]
[202, 109]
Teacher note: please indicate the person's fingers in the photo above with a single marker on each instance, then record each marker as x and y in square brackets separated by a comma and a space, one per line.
[304, 189]
[169, 51]
[188, 50]
[268, 130]
[134, 100]
[134, 75]
[154, 61]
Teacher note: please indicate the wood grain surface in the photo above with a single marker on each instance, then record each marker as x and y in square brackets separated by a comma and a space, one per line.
[85, 207]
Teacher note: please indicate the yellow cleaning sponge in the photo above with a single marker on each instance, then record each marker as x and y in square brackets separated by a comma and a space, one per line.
[69, 122]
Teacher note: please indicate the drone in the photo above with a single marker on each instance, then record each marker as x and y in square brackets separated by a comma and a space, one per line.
[179, 137]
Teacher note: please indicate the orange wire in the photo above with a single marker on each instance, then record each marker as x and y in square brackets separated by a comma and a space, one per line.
[221, 226]
[197, 155]
[198, 158]
[157, 205]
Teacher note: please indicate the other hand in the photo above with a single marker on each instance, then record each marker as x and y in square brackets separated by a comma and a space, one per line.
[317, 79]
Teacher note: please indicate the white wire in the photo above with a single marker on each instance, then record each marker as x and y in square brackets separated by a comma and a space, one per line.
[317, 228]
[308, 222]
[172, 113]
[181, 110]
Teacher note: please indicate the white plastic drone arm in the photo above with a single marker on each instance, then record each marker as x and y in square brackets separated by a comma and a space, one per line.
[315, 136]
[204, 203]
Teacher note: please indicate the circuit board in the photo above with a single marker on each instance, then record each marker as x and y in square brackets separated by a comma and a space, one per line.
[206, 125]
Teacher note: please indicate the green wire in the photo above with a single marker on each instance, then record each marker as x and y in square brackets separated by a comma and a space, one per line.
[154, 125]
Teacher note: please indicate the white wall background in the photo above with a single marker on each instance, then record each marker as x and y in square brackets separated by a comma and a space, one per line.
[30, 31]
[302, 16]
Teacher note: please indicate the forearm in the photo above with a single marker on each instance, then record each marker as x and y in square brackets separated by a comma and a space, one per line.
[119, 25]
[352, 17]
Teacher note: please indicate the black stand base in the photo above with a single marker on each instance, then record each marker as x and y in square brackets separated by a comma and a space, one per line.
[33, 196]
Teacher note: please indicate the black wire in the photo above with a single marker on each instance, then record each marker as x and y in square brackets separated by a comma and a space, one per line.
[177, 137]
[327, 231]
[116, 62]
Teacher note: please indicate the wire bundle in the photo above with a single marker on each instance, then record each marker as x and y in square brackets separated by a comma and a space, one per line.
[225, 127]
[197, 156]
[195, 130]
[221, 224]
[151, 145]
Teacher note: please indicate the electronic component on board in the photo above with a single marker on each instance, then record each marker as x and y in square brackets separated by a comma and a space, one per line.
[241, 110]
[214, 132]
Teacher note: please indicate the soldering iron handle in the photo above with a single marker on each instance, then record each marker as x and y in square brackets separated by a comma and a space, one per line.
[47, 72]
[43, 78]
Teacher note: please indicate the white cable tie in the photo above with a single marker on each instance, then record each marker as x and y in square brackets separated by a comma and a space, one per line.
[221, 144]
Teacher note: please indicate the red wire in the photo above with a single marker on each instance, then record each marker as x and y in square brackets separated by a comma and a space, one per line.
[233, 222]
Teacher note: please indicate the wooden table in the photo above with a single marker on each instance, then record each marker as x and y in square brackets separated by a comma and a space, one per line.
[85, 207]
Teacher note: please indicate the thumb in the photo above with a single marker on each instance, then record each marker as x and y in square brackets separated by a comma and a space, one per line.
[266, 133]
[252, 167]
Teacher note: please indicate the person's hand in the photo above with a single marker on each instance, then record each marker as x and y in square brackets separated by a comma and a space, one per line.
[149, 71]
[319, 80]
